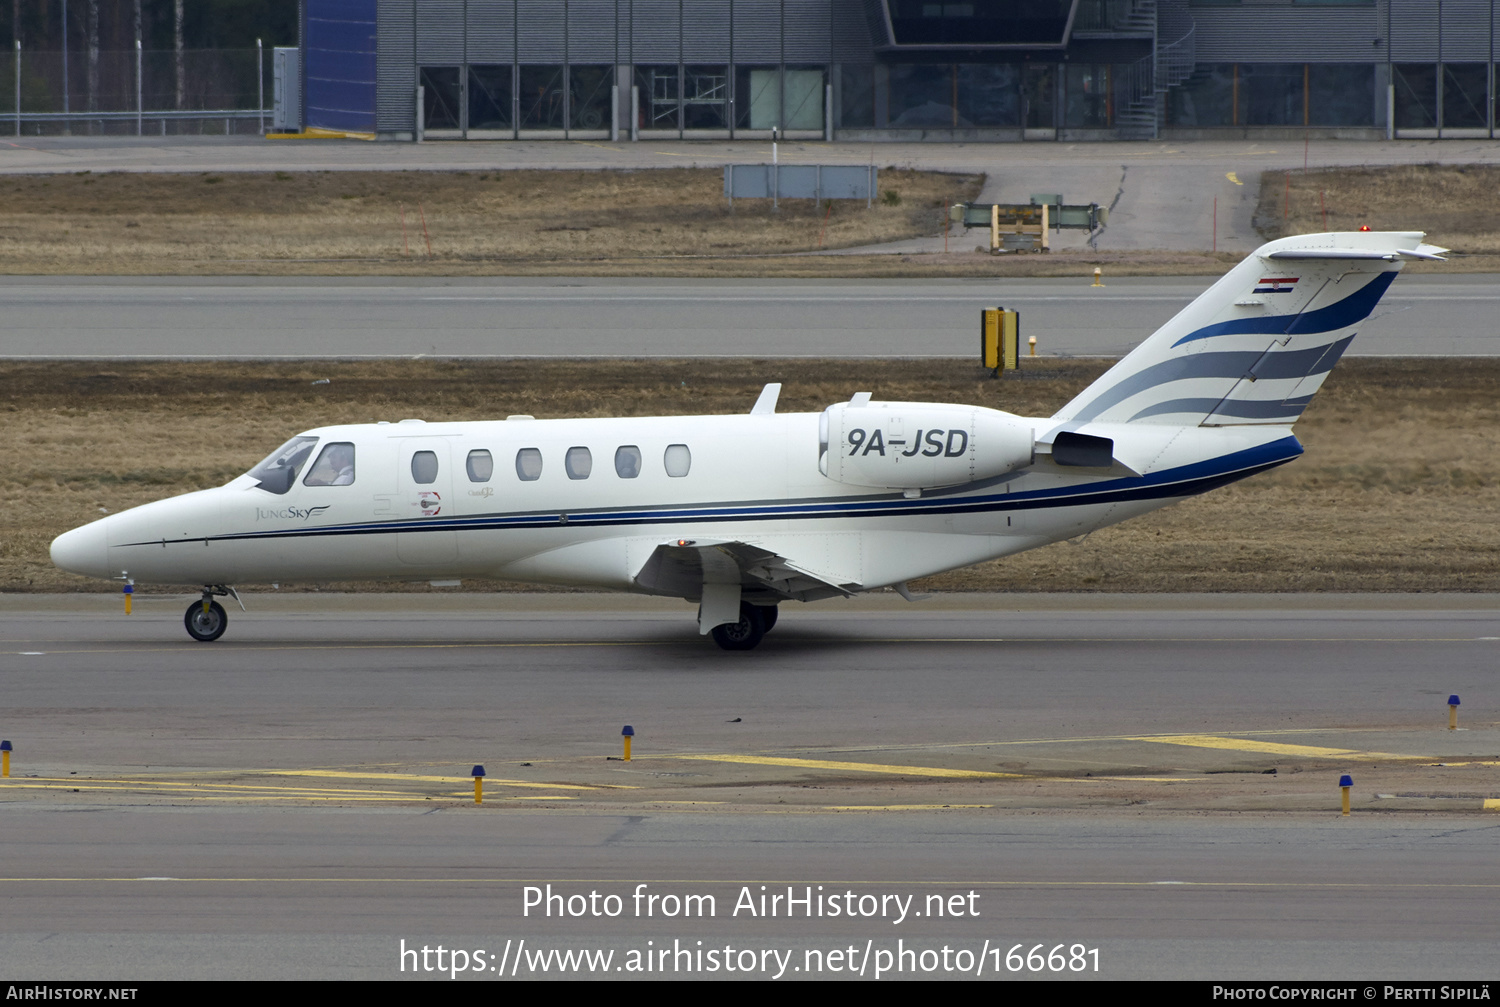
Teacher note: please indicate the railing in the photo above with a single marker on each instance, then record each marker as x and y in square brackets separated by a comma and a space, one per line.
[143, 116]
[1135, 92]
[1176, 62]
[1141, 89]
[43, 88]
[1114, 15]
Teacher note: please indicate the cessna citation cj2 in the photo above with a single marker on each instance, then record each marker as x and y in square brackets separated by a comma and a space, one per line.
[741, 513]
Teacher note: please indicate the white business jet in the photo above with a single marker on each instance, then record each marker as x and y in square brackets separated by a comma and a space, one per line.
[741, 513]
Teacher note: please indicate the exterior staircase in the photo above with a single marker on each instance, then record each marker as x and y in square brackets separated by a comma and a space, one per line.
[1141, 87]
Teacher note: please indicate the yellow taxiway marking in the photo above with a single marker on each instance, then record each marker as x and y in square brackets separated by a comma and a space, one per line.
[1129, 779]
[856, 767]
[93, 784]
[1017, 742]
[347, 796]
[899, 807]
[243, 792]
[1243, 745]
[1264, 747]
[338, 774]
[1233, 178]
[1491, 804]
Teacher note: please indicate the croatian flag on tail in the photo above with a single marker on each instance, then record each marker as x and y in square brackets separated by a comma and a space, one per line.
[1276, 285]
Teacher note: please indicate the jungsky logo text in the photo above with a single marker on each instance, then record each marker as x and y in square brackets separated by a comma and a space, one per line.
[289, 513]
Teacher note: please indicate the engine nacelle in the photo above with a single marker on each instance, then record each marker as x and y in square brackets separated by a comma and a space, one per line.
[919, 445]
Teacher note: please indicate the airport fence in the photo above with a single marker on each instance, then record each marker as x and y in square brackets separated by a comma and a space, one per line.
[134, 92]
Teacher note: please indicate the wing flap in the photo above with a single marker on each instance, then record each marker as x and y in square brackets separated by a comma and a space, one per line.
[681, 568]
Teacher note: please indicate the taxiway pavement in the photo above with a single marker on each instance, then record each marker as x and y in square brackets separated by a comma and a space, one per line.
[1161, 195]
[295, 799]
[561, 317]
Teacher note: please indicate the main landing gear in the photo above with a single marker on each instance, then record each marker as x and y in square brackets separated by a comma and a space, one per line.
[755, 622]
[206, 620]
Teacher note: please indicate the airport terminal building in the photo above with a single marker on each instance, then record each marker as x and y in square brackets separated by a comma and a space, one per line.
[979, 70]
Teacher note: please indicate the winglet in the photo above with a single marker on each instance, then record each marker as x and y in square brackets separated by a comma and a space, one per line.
[766, 404]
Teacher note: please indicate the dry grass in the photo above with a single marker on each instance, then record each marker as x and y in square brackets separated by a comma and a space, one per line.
[1455, 204]
[1398, 490]
[124, 223]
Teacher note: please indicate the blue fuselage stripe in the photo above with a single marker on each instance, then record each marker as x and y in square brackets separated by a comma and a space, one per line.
[1183, 481]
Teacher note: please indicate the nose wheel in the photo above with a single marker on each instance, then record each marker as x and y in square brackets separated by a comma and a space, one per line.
[205, 620]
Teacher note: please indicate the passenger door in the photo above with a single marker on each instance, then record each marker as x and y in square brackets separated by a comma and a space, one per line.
[424, 500]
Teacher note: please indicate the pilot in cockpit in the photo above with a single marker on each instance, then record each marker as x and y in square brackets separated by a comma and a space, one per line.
[334, 467]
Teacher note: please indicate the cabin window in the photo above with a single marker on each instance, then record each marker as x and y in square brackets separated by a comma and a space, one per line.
[424, 467]
[528, 465]
[334, 467]
[481, 466]
[279, 471]
[678, 460]
[578, 463]
[628, 461]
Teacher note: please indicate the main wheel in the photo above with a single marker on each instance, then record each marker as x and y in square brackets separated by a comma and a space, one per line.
[768, 615]
[742, 635]
[205, 626]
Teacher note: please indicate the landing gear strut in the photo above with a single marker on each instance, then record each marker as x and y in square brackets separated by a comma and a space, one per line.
[206, 620]
[755, 622]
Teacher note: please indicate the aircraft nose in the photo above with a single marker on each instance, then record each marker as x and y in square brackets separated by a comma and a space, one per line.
[83, 550]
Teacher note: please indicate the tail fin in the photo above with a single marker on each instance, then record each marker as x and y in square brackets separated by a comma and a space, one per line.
[1255, 346]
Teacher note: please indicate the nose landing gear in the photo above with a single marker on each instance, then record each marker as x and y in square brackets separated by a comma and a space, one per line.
[206, 620]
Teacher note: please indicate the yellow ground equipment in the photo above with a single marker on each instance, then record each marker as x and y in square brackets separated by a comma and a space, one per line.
[1024, 227]
[999, 339]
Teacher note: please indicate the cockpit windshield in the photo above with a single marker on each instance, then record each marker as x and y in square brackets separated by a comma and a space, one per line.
[279, 471]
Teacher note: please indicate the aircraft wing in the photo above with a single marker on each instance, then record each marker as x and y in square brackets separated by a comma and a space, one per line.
[682, 567]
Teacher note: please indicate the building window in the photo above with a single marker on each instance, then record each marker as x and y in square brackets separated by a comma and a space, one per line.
[1087, 101]
[988, 94]
[921, 97]
[757, 97]
[1039, 95]
[490, 97]
[1463, 96]
[658, 97]
[705, 97]
[1208, 99]
[588, 96]
[542, 97]
[1271, 94]
[441, 97]
[803, 89]
[1416, 95]
[1341, 94]
[856, 96]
